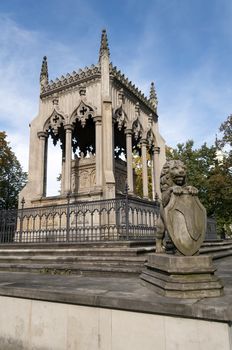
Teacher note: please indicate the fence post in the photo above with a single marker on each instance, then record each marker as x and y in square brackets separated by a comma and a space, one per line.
[127, 210]
[68, 217]
[21, 220]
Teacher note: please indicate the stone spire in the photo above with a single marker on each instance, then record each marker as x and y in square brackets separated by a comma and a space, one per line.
[44, 73]
[104, 48]
[153, 97]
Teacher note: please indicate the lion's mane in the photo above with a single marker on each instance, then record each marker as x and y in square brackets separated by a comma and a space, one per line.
[166, 179]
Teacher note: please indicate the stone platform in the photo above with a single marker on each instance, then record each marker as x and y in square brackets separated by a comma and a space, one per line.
[182, 276]
[58, 312]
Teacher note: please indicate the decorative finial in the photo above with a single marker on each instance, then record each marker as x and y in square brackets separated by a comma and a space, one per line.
[153, 97]
[121, 96]
[104, 48]
[55, 100]
[137, 109]
[82, 90]
[44, 72]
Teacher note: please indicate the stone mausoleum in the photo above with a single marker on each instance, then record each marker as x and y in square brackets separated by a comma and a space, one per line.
[101, 121]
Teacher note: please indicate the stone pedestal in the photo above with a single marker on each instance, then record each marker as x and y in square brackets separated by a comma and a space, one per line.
[182, 276]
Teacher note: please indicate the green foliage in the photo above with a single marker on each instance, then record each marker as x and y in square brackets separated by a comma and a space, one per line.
[211, 175]
[137, 165]
[12, 178]
[226, 130]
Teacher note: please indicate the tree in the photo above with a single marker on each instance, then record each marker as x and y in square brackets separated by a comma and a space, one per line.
[12, 177]
[137, 165]
[199, 164]
[211, 176]
[226, 130]
[224, 145]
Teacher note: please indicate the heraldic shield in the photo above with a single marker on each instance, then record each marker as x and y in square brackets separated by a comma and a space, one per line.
[186, 220]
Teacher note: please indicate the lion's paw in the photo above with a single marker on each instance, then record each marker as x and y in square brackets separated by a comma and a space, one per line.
[177, 190]
[192, 190]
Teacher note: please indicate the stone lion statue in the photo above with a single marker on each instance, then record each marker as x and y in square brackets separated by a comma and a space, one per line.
[172, 180]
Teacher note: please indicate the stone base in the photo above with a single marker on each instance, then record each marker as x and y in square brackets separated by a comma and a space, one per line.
[182, 276]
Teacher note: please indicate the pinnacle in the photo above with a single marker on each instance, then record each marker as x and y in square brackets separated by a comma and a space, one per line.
[44, 70]
[153, 97]
[104, 48]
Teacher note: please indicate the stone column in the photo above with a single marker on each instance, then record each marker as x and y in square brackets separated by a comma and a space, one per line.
[108, 149]
[144, 168]
[42, 163]
[153, 176]
[68, 157]
[156, 171]
[130, 183]
[98, 149]
[63, 173]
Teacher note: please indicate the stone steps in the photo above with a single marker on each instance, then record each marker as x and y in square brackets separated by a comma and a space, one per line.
[119, 259]
[214, 249]
[107, 252]
[77, 269]
[81, 245]
[81, 260]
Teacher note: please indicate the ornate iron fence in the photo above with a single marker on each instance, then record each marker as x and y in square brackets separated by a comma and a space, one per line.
[103, 220]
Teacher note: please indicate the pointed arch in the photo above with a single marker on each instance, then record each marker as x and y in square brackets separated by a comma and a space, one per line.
[121, 118]
[55, 121]
[137, 129]
[82, 113]
[150, 137]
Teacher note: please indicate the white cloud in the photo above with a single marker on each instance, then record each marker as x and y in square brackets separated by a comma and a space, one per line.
[21, 54]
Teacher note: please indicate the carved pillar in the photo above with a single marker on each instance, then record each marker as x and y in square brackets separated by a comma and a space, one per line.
[63, 172]
[153, 176]
[68, 157]
[129, 160]
[107, 134]
[144, 168]
[108, 149]
[98, 149]
[156, 171]
[42, 163]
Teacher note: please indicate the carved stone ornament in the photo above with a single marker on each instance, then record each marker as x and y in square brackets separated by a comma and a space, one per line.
[137, 129]
[185, 220]
[120, 117]
[182, 214]
[150, 138]
[82, 113]
[55, 121]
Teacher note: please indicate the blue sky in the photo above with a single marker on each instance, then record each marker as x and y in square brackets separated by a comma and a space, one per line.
[185, 46]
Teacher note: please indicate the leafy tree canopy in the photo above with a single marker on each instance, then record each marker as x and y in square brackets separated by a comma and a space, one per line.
[226, 130]
[210, 170]
[12, 177]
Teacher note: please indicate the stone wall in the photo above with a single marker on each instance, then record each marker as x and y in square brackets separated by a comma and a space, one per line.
[37, 325]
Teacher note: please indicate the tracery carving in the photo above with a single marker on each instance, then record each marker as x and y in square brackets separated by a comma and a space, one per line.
[150, 138]
[93, 178]
[121, 117]
[84, 179]
[82, 113]
[55, 121]
[137, 129]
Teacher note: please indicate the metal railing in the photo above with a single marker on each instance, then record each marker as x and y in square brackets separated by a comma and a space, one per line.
[125, 218]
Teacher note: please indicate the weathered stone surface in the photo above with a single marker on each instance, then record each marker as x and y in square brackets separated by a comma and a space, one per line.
[62, 326]
[182, 214]
[119, 293]
[182, 277]
[185, 219]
